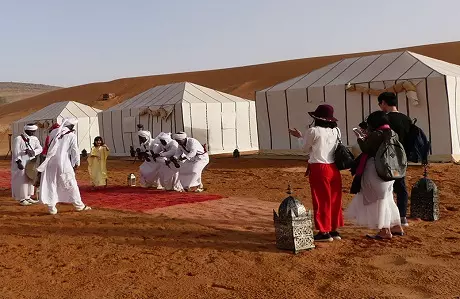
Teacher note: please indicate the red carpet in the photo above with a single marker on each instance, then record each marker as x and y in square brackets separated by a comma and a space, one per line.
[5, 179]
[138, 199]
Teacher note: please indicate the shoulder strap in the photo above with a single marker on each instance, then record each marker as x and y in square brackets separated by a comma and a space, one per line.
[339, 139]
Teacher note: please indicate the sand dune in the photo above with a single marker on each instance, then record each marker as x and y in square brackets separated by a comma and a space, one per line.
[240, 81]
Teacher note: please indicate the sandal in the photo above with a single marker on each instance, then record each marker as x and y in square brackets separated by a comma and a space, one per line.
[377, 237]
[85, 208]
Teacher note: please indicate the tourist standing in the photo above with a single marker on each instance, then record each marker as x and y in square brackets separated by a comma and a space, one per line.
[320, 143]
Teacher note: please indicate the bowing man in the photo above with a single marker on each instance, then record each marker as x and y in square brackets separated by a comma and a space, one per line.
[25, 147]
[169, 172]
[149, 170]
[194, 159]
[58, 182]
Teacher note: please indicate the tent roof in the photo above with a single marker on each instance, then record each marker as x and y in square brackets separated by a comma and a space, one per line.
[374, 68]
[62, 109]
[177, 92]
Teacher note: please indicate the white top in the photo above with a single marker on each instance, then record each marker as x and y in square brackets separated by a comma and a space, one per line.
[320, 144]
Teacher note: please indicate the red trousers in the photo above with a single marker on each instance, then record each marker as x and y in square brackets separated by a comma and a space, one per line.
[326, 193]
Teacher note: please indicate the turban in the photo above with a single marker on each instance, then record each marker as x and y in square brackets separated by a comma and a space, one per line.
[164, 136]
[145, 134]
[179, 136]
[30, 128]
[72, 121]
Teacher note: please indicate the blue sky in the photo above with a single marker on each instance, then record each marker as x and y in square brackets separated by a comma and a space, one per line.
[75, 42]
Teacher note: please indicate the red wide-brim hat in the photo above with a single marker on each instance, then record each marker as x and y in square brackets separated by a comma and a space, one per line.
[324, 112]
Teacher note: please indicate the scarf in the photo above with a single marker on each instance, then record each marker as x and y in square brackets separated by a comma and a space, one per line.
[365, 157]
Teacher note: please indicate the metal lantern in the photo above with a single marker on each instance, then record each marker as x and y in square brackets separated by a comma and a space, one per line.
[293, 225]
[131, 180]
[424, 199]
[236, 153]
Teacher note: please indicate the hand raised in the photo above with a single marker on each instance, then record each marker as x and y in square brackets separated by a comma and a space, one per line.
[294, 132]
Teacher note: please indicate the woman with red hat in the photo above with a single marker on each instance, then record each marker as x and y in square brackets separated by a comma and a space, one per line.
[320, 143]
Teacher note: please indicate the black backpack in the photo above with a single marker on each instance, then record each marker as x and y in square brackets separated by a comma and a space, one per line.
[417, 145]
[343, 157]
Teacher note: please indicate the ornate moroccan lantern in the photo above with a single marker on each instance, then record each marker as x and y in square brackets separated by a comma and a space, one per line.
[424, 199]
[293, 225]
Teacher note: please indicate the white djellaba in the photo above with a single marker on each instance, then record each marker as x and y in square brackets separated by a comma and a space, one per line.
[169, 174]
[149, 170]
[194, 159]
[58, 182]
[25, 148]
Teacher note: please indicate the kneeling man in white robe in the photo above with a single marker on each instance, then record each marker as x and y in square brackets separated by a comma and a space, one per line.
[58, 182]
[194, 159]
[169, 172]
[149, 170]
[25, 147]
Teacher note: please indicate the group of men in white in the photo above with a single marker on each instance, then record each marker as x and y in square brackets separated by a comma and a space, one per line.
[58, 182]
[172, 162]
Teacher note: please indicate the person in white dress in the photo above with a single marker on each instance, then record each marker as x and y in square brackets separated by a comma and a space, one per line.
[25, 147]
[373, 205]
[58, 182]
[194, 159]
[169, 172]
[149, 169]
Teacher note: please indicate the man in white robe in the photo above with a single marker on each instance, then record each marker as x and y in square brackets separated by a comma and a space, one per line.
[194, 159]
[25, 147]
[162, 153]
[149, 169]
[58, 182]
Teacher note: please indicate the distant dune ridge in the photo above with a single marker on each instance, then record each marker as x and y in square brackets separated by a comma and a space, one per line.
[239, 81]
[15, 91]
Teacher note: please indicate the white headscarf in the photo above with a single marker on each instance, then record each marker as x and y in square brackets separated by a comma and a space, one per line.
[30, 128]
[179, 136]
[165, 136]
[145, 134]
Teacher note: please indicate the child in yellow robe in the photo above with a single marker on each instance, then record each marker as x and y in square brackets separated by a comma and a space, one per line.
[97, 163]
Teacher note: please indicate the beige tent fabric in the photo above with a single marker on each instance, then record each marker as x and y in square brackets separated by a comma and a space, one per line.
[163, 112]
[407, 86]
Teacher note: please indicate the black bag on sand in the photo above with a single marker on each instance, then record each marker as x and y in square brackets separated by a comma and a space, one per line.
[343, 157]
[424, 199]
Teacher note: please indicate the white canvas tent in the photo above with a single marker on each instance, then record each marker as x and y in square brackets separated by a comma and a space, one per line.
[86, 129]
[221, 121]
[437, 111]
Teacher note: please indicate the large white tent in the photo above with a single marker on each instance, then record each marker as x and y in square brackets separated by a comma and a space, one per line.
[221, 121]
[347, 85]
[86, 129]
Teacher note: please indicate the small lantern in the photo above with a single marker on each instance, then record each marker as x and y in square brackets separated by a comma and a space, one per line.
[424, 199]
[293, 225]
[236, 153]
[131, 180]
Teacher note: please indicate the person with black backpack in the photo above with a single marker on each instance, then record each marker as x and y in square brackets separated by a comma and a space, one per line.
[401, 124]
[373, 205]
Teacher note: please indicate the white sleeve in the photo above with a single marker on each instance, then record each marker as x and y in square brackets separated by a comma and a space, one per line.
[74, 151]
[16, 149]
[37, 147]
[307, 140]
[171, 151]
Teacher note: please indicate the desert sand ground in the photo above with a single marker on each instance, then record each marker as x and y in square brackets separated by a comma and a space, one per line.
[223, 248]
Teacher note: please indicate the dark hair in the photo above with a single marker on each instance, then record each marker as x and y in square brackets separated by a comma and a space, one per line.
[377, 119]
[98, 138]
[389, 98]
[325, 124]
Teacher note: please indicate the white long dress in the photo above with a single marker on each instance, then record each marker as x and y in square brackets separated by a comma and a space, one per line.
[58, 182]
[169, 174]
[381, 213]
[192, 167]
[21, 186]
[150, 170]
